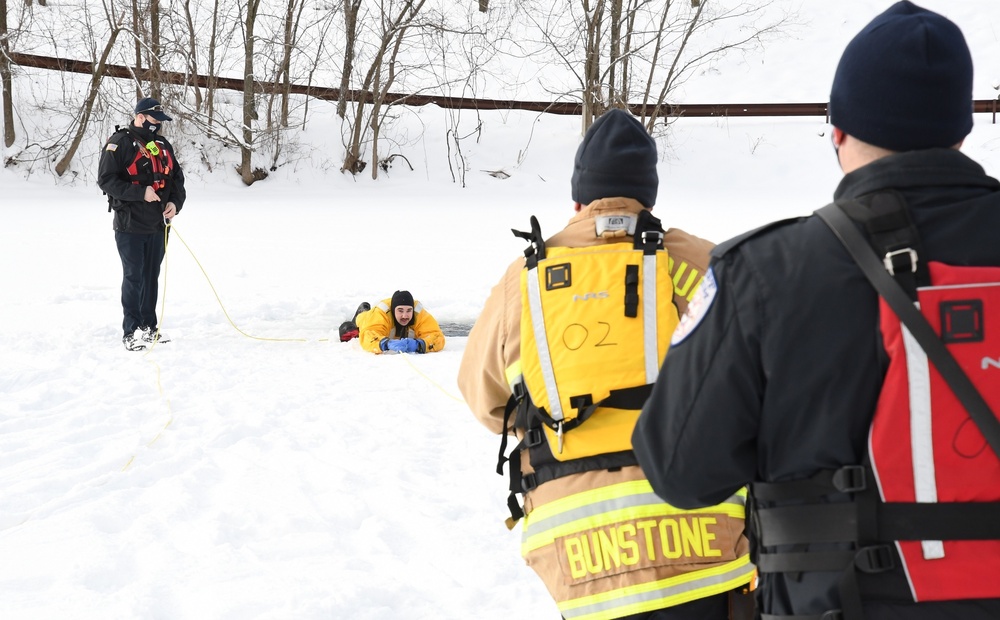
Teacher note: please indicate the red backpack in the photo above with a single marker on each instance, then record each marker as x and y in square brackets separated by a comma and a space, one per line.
[928, 492]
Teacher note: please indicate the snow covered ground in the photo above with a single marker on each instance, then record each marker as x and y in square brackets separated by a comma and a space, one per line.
[261, 469]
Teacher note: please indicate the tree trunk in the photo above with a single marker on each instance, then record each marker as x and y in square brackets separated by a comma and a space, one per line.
[88, 106]
[192, 55]
[668, 83]
[155, 86]
[393, 30]
[351, 8]
[592, 91]
[286, 61]
[249, 110]
[614, 92]
[5, 79]
[137, 41]
[212, 77]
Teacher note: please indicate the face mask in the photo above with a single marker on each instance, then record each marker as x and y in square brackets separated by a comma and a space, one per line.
[150, 127]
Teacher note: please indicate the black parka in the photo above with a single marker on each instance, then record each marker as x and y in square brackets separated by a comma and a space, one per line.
[781, 377]
[125, 194]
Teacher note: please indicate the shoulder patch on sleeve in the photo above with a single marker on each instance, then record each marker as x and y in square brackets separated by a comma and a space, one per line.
[726, 246]
[697, 308]
[111, 147]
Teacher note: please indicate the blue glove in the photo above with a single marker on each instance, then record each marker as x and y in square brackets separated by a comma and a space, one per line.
[404, 345]
[383, 344]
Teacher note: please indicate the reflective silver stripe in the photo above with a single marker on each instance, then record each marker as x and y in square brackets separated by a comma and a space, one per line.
[729, 578]
[418, 308]
[532, 528]
[921, 432]
[635, 500]
[649, 317]
[542, 342]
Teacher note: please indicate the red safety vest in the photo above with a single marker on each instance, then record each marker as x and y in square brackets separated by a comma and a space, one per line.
[923, 445]
[162, 165]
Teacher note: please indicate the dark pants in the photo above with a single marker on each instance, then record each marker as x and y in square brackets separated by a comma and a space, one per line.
[141, 257]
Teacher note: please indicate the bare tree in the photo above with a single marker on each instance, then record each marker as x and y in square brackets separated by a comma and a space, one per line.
[592, 95]
[88, 104]
[684, 42]
[137, 30]
[246, 170]
[212, 75]
[636, 53]
[293, 14]
[5, 78]
[381, 74]
[192, 55]
[155, 49]
[351, 8]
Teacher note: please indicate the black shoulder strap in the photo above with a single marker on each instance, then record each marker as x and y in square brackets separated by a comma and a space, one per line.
[835, 217]
[648, 233]
[893, 236]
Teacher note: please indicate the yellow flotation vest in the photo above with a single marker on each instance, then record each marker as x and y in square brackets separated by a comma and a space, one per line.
[595, 326]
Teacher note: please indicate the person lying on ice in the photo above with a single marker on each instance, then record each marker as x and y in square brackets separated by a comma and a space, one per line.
[398, 324]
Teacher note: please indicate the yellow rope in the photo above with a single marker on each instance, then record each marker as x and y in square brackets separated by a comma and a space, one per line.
[163, 301]
[212, 286]
[156, 340]
[432, 381]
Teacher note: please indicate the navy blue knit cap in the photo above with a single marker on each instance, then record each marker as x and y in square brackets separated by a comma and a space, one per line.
[905, 82]
[400, 298]
[616, 158]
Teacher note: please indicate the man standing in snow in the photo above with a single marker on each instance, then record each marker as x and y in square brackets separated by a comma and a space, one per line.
[779, 374]
[145, 186]
[604, 545]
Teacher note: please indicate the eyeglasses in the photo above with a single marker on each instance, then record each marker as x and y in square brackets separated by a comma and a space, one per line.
[155, 108]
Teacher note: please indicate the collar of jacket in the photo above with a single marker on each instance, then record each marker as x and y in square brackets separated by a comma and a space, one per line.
[926, 168]
[607, 206]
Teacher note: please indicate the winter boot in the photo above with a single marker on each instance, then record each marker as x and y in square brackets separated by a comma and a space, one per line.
[133, 344]
[348, 331]
[364, 307]
[149, 336]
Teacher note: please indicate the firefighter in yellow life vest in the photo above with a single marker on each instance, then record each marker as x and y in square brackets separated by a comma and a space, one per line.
[563, 357]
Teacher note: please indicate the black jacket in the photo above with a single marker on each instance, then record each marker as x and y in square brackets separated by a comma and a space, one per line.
[780, 378]
[126, 193]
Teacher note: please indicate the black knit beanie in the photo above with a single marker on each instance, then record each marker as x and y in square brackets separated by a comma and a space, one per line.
[905, 82]
[616, 158]
[400, 298]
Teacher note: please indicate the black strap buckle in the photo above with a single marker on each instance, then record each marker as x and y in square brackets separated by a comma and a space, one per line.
[874, 559]
[534, 437]
[581, 402]
[518, 390]
[900, 258]
[528, 482]
[850, 479]
[654, 236]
